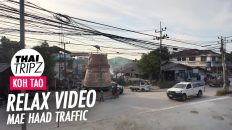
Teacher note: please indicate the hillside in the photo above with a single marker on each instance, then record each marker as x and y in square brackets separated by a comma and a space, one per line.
[118, 61]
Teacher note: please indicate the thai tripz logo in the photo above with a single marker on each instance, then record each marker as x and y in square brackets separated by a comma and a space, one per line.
[28, 65]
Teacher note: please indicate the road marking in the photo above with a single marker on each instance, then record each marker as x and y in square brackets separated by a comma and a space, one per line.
[160, 109]
[187, 104]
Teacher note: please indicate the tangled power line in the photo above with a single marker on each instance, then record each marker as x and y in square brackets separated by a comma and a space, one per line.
[40, 21]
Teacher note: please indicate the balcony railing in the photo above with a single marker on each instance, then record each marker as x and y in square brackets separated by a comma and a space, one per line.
[199, 63]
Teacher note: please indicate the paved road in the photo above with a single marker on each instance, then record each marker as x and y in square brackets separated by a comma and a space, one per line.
[150, 110]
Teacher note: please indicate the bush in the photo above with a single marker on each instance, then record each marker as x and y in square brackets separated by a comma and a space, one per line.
[166, 84]
[153, 82]
[223, 92]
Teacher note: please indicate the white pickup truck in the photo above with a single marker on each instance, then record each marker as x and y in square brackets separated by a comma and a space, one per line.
[183, 90]
[140, 85]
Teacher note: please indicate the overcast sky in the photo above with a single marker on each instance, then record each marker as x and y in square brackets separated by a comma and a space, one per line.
[198, 20]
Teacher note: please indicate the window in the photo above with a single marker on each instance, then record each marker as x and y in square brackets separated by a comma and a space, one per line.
[195, 85]
[203, 58]
[192, 58]
[142, 83]
[213, 58]
[201, 84]
[179, 85]
[188, 86]
[146, 83]
[183, 58]
[178, 59]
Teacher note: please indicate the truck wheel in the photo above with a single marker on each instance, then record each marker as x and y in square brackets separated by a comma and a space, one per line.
[143, 90]
[199, 94]
[184, 97]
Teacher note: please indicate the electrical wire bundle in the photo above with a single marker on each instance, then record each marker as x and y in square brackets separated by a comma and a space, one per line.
[40, 21]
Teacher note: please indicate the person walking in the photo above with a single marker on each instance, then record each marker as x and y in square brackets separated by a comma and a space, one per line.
[101, 96]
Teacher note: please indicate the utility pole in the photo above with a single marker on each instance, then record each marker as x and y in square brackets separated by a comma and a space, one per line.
[160, 38]
[22, 46]
[224, 69]
[22, 25]
[65, 64]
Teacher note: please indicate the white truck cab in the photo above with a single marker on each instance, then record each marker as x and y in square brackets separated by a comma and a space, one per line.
[183, 90]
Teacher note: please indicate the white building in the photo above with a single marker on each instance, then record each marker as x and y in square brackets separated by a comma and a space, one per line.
[206, 59]
[192, 64]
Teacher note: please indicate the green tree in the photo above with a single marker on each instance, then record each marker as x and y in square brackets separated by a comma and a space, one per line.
[149, 64]
[8, 48]
[44, 50]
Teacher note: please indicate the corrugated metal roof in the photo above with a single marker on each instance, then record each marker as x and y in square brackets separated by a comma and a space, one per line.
[4, 66]
[56, 49]
[194, 52]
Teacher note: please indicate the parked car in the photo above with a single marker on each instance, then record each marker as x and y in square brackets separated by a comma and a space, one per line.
[120, 88]
[217, 83]
[140, 85]
[183, 90]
